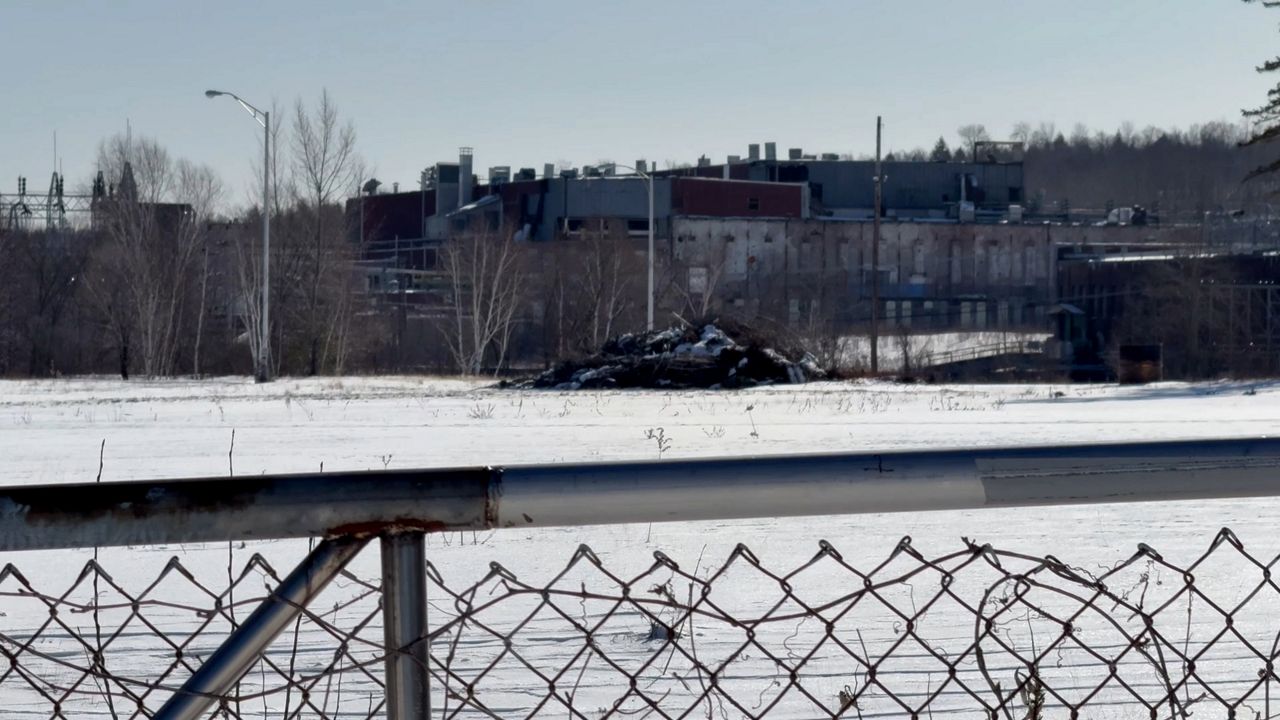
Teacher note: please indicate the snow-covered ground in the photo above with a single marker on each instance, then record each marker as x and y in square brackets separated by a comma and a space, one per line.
[53, 431]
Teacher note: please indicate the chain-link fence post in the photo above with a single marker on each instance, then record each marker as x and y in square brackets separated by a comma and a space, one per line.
[404, 615]
[245, 646]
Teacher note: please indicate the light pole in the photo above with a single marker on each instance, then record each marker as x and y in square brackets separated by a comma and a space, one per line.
[875, 260]
[262, 371]
[649, 295]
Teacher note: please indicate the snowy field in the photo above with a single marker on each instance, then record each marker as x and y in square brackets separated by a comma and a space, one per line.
[53, 432]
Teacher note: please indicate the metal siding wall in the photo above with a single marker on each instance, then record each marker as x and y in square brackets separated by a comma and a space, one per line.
[731, 199]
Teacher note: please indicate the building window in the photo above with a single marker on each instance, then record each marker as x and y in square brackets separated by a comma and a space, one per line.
[638, 227]
[1031, 260]
[753, 203]
[1015, 195]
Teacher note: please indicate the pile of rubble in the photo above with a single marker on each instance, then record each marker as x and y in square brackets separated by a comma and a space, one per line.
[682, 358]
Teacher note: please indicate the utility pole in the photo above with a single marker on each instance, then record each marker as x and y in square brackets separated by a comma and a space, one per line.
[875, 264]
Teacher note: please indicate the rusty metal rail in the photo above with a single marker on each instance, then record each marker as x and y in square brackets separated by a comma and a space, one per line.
[371, 503]
[399, 508]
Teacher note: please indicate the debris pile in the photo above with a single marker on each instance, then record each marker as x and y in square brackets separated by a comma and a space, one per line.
[676, 358]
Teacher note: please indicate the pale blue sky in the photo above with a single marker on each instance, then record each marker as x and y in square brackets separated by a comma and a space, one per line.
[533, 81]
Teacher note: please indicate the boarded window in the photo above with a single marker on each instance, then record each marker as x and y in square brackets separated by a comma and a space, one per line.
[753, 204]
[1032, 261]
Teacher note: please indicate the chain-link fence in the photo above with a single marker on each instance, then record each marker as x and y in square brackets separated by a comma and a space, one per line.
[977, 632]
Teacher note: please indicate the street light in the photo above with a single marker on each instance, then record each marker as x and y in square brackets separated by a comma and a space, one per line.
[649, 184]
[262, 371]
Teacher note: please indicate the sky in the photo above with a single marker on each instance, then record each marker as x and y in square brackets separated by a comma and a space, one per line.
[526, 82]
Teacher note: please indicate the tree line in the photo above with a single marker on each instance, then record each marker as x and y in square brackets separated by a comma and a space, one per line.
[166, 281]
[1177, 173]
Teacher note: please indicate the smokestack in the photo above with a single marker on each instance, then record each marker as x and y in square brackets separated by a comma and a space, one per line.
[464, 175]
[753, 151]
[770, 151]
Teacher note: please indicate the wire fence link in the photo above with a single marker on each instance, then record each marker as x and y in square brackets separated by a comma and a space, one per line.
[979, 632]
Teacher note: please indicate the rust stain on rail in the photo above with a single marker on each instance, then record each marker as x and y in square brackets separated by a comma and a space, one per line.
[382, 527]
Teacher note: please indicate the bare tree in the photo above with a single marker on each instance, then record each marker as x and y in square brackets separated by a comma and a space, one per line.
[486, 280]
[42, 270]
[325, 167]
[154, 227]
[607, 268]
[9, 295]
[697, 282]
[970, 134]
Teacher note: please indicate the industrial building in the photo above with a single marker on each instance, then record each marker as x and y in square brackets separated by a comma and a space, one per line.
[756, 236]
[543, 205]
[398, 232]
[791, 241]
[843, 188]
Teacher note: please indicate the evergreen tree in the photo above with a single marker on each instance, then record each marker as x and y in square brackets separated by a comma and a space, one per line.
[1266, 117]
[941, 153]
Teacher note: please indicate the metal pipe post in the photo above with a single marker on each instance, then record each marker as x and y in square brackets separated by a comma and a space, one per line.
[404, 622]
[245, 646]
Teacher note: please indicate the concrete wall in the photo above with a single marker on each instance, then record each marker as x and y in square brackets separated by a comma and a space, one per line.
[934, 276]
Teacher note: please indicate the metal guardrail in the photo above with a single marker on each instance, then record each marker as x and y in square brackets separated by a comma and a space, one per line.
[507, 648]
[978, 352]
